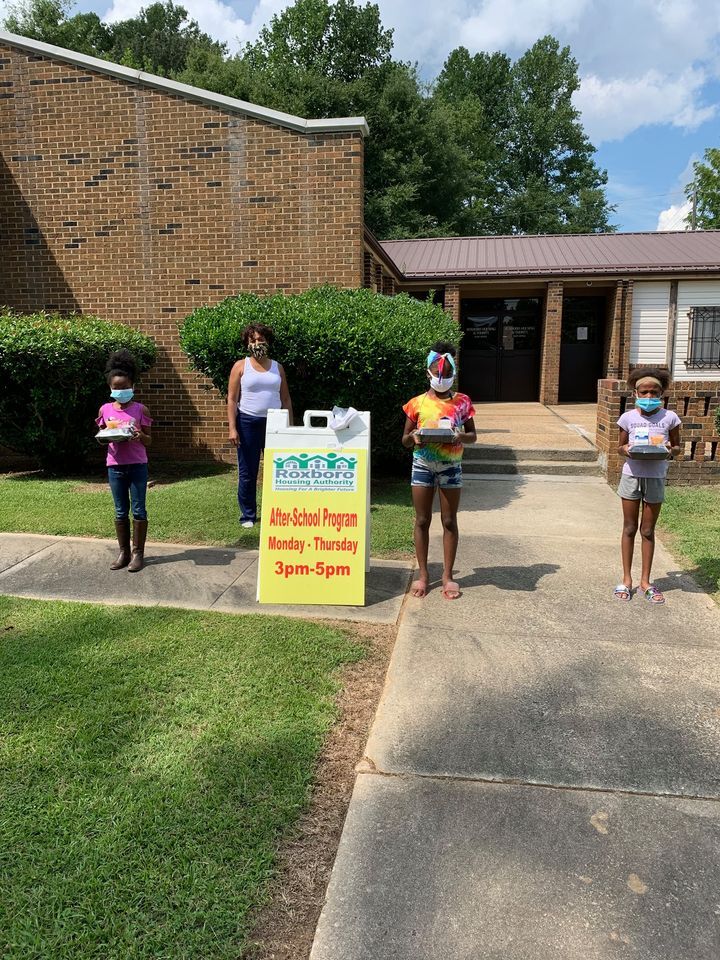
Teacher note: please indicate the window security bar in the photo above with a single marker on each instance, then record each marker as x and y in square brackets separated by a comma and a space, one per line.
[704, 338]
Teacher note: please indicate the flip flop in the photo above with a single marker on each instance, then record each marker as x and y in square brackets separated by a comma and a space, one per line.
[451, 591]
[654, 595]
[419, 585]
[623, 588]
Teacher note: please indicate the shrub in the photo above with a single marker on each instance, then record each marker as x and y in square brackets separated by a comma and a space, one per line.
[53, 381]
[345, 347]
[717, 421]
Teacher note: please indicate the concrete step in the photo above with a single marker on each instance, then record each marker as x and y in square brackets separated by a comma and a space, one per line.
[480, 452]
[576, 468]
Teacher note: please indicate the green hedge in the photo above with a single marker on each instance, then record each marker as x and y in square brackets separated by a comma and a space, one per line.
[53, 381]
[345, 347]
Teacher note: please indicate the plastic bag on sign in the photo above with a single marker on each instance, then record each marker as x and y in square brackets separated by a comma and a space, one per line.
[342, 418]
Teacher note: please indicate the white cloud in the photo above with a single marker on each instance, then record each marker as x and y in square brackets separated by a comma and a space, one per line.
[674, 217]
[613, 108]
[503, 24]
[215, 17]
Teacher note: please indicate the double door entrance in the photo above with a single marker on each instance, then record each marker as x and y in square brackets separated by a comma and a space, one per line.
[500, 350]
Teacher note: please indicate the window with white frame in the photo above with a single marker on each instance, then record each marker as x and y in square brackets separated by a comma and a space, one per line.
[704, 338]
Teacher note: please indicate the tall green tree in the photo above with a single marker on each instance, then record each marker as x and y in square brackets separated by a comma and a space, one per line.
[49, 21]
[552, 181]
[159, 39]
[531, 163]
[477, 90]
[705, 187]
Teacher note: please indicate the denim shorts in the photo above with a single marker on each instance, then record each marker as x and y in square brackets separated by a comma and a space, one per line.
[435, 473]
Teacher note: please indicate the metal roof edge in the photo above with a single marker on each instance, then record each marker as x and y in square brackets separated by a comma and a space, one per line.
[553, 236]
[300, 124]
[625, 272]
[372, 241]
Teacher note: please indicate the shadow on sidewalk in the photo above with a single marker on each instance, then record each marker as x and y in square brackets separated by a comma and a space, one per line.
[212, 557]
[524, 578]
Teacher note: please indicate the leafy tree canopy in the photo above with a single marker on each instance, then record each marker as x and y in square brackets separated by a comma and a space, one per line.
[159, 39]
[706, 187]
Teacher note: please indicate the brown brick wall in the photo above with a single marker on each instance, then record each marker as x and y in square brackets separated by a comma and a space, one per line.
[617, 348]
[451, 302]
[376, 276]
[137, 205]
[551, 338]
[694, 401]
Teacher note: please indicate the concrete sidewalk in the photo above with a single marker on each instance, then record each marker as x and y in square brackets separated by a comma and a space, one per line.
[542, 779]
[200, 578]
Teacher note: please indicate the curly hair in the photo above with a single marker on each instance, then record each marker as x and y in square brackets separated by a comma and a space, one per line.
[443, 346]
[258, 328]
[121, 363]
[657, 373]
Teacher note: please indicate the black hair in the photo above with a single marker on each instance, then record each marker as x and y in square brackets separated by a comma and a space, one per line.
[121, 363]
[443, 347]
[258, 328]
[640, 373]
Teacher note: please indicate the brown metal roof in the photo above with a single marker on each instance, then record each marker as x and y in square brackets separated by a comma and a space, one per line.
[557, 254]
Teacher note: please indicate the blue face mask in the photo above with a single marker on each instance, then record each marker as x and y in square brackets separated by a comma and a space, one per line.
[648, 404]
[123, 396]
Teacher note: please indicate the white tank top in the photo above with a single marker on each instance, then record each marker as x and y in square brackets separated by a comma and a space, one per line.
[259, 392]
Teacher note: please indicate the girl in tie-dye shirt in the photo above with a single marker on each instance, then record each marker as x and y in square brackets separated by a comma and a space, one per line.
[438, 464]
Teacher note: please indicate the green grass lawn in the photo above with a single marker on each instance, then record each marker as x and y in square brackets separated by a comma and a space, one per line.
[692, 516]
[150, 762]
[189, 503]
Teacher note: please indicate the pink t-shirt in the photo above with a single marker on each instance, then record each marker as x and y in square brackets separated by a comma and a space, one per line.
[658, 425]
[127, 451]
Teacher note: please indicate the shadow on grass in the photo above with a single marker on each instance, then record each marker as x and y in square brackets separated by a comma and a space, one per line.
[162, 473]
[702, 578]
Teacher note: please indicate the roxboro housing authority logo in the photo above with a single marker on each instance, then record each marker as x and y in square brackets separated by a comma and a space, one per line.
[314, 471]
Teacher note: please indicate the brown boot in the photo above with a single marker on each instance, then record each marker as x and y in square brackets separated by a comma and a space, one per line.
[122, 529]
[138, 548]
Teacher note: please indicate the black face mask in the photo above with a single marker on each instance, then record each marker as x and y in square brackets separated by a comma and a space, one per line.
[259, 350]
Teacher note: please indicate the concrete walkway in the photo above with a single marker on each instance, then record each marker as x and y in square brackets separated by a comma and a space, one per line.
[200, 578]
[521, 426]
[542, 780]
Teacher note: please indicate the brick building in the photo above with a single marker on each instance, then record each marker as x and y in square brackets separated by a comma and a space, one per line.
[138, 199]
[565, 318]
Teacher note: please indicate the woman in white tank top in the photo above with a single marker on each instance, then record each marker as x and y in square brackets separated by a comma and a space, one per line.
[257, 384]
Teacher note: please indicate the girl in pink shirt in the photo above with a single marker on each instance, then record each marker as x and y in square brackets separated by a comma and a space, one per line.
[127, 460]
[642, 484]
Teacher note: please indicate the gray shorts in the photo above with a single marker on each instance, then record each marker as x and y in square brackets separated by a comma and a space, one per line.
[649, 489]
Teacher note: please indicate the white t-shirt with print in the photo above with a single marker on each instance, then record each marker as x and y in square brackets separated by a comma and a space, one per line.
[658, 426]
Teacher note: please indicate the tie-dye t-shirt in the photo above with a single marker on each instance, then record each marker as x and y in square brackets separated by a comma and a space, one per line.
[426, 410]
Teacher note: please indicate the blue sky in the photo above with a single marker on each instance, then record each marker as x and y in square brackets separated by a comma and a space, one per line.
[650, 71]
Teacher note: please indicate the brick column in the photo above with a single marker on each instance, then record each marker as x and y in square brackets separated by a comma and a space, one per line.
[388, 286]
[452, 301]
[610, 405]
[550, 352]
[368, 267]
[615, 358]
[626, 327]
